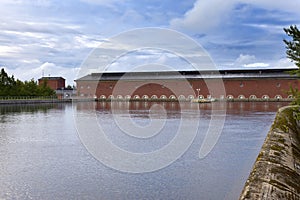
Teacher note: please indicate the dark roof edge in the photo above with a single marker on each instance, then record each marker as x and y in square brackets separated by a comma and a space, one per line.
[191, 72]
[51, 78]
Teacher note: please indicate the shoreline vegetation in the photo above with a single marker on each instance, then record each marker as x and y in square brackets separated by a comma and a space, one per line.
[11, 87]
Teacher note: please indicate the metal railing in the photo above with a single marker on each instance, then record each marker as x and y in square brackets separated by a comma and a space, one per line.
[28, 98]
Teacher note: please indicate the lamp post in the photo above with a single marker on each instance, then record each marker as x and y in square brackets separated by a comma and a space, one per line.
[198, 91]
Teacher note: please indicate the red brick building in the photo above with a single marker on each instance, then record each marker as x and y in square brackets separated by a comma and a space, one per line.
[222, 84]
[55, 83]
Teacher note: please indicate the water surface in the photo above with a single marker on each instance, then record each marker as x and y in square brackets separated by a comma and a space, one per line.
[41, 156]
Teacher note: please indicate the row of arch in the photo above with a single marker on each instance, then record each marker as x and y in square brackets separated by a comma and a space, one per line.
[189, 97]
[181, 97]
[255, 97]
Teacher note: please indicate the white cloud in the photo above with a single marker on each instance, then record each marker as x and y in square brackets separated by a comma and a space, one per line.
[204, 15]
[101, 2]
[250, 61]
[244, 60]
[278, 29]
[46, 69]
[84, 41]
[291, 6]
[112, 4]
[208, 14]
[9, 50]
[257, 65]
[284, 63]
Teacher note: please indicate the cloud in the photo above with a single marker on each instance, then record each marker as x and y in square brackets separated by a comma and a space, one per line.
[149, 60]
[284, 63]
[257, 65]
[102, 2]
[9, 50]
[203, 16]
[44, 69]
[244, 60]
[250, 61]
[111, 4]
[60, 34]
[207, 15]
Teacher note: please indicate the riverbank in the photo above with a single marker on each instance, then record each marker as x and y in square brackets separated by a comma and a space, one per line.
[276, 172]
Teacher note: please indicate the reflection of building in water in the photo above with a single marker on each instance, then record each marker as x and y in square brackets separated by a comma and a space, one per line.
[184, 85]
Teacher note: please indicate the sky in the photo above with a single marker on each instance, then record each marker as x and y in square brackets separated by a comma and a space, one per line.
[54, 38]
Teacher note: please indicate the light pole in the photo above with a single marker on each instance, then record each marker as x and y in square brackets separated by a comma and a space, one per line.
[198, 91]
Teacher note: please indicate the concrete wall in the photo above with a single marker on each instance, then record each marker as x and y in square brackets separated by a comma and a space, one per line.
[276, 172]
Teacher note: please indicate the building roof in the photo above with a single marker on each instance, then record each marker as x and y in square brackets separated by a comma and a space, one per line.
[207, 74]
[51, 78]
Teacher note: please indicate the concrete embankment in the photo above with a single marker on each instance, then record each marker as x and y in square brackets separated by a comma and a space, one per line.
[276, 172]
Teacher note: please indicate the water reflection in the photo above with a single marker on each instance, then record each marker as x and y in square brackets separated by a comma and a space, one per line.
[231, 107]
[41, 156]
[31, 108]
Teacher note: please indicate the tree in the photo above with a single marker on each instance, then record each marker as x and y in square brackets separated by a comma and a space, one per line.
[7, 83]
[11, 87]
[45, 90]
[293, 53]
[69, 87]
[293, 46]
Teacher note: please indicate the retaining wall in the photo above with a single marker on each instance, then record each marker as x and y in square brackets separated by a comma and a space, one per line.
[276, 172]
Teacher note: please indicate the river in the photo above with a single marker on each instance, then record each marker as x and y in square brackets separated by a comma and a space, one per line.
[42, 156]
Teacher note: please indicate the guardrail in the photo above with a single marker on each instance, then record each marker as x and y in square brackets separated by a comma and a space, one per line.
[31, 100]
[28, 97]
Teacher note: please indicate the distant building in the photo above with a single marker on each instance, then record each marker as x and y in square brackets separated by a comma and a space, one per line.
[58, 84]
[55, 83]
[238, 84]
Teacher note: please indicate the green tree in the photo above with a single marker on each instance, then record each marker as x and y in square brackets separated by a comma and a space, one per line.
[45, 90]
[293, 46]
[11, 87]
[69, 87]
[7, 83]
[293, 53]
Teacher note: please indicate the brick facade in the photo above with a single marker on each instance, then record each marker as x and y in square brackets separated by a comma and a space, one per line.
[237, 84]
[55, 83]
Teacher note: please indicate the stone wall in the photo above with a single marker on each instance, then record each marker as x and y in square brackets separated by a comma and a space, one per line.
[276, 172]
